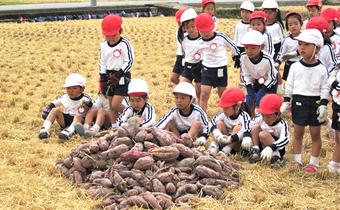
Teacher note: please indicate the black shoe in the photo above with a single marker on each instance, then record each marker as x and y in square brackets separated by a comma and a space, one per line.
[65, 135]
[277, 161]
[255, 155]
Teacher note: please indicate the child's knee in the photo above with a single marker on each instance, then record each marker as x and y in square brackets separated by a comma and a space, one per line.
[256, 128]
[264, 135]
[196, 124]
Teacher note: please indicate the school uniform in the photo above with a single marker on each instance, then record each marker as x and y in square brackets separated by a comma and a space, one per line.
[147, 112]
[328, 57]
[178, 68]
[242, 119]
[268, 44]
[183, 121]
[277, 32]
[303, 27]
[215, 59]
[336, 105]
[279, 131]
[240, 29]
[289, 45]
[215, 21]
[192, 56]
[307, 86]
[114, 58]
[335, 38]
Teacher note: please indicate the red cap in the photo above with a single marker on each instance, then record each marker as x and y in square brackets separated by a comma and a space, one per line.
[231, 96]
[100, 89]
[179, 14]
[111, 25]
[314, 3]
[339, 10]
[319, 23]
[204, 22]
[294, 12]
[330, 14]
[270, 104]
[258, 14]
[207, 1]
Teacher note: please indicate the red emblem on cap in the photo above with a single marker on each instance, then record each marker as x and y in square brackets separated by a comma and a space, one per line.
[117, 53]
[197, 56]
[81, 109]
[261, 80]
[213, 46]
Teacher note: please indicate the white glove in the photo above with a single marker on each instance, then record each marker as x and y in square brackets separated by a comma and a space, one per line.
[247, 143]
[330, 81]
[276, 65]
[322, 112]
[225, 140]
[290, 55]
[84, 101]
[285, 107]
[266, 153]
[217, 135]
[201, 141]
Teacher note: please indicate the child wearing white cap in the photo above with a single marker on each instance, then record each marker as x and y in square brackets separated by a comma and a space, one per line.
[139, 107]
[76, 104]
[258, 71]
[307, 95]
[186, 118]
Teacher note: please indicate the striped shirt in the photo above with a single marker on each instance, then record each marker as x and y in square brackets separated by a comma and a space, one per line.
[289, 45]
[72, 106]
[276, 30]
[328, 57]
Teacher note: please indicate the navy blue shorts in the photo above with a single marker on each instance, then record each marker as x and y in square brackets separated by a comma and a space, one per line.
[119, 90]
[68, 119]
[257, 87]
[215, 77]
[304, 110]
[178, 68]
[335, 116]
[193, 71]
[286, 69]
[277, 48]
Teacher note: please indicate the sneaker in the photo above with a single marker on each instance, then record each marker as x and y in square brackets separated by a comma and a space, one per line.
[44, 134]
[65, 135]
[80, 129]
[276, 161]
[255, 155]
[333, 170]
[89, 133]
[331, 134]
[296, 164]
[311, 168]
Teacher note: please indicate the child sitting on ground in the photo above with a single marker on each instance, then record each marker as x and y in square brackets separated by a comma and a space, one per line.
[186, 118]
[76, 105]
[138, 96]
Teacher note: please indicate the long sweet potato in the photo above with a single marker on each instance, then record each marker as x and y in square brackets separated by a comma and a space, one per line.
[95, 175]
[165, 153]
[185, 198]
[98, 191]
[165, 177]
[184, 151]
[141, 136]
[78, 178]
[144, 163]
[206, 172]
[186, 162]
[132, 127]
[209, 162]
[137, 201]
[115, 152]
[162, 137]
[185, 189]
[149, 145]
[78, 166]
[212, 191]
[105, 182]
[157, 186]
[133, 156]
[151, 199]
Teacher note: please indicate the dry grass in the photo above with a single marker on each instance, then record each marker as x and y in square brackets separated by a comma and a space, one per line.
[36, 58]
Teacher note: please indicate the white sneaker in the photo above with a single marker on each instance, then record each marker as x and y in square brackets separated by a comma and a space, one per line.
[65, 135]
[44, 133]
[333, 170]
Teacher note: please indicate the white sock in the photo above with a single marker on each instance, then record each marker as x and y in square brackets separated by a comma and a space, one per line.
[114, 125]
[47, 125]
[226, 150]
[70, 130]
[276, 153]
[213, 145]
[280, 86]
[334, 164]
[96, 127]
[314, 160]
[329, 125]
[256, 147]
[86, 126]
[297, 158]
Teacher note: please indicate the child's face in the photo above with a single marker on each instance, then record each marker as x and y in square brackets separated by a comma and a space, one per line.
[330, 28]
[191, 29]
[294, 26]
[270, 118]
[207, 34]
[209, 9]
[182, 101]
[74, 91]
[253, 52]
[306, 50]
[230, 111]
[257, 24]
[245, 15]
[113, 39]
[270, 15]
[137, 102]
[313, 11]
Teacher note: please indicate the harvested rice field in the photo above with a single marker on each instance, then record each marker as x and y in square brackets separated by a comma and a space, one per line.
[35, 60]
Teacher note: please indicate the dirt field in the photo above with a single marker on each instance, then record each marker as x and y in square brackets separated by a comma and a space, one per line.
[35, 60]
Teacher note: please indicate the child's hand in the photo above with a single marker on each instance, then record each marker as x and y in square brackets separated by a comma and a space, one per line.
[103, 87]
[200, 141]
[285, 108]
[84, 101]
[45, 112]
[114, 79]
[322, 112]
[247, 143]
[266, 153]
[217, 134]
[290, 55]
[225, 140]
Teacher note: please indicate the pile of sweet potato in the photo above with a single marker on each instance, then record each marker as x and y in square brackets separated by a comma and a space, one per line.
[147, 167]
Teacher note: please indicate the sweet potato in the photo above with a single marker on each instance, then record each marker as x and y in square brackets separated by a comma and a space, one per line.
[109, 200]
[144, 163]
[209, 162]
[184, 169]
[206, 172]
[186, 162]
[132, 127]
[157, 186]
[170, 188]
[141, 136]
[187, 139]
[98, 191]
[87, 162]
[138, 147]
[95, 175]
[108, 137]
[64, 171]
[103, 144]
[151, 199]
[105, 182]
[119, 182]
[145, 182]
[197, 153]
[78, 178]
[94, 147]
[185, 198]
[184, 151]
[149, 137]
[122, 132]
[164, 202]
[78, 166]
[185, 189]
[133, 156]
[164, 177]
[162, 137]
[115, 152]
[160, 194]
[131, 182]
[121, 140]
[125, 173]
[165, 153]
[137, 201]
[123, 205]
[112, 206]
[68, 162]
[131, 192]
[212, 191]
[74, 152]
[149, 145]
[139, 189]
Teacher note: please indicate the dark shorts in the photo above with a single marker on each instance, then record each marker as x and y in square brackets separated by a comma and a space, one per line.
[335, 116]
[277, 48]
[193, 71]
[286, 69]
[304, 110]
[216, 77]
[68, 119]
[178, 68]
[257, 87]
[119, 90]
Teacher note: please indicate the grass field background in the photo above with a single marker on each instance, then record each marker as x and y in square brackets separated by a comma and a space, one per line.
[35, 60]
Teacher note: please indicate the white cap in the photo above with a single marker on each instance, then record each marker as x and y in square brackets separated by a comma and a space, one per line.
[138, 87]
[74, 80]
[312, 36]
[253, 37]
[185, 88]
[188, 14]
[247, 5]
[270, 4]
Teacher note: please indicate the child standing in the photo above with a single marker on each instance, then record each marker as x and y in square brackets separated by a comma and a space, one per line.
[116, 60]
[186, 117]
[208, 7]
[214, 55]
[332, 17]
[258, 71]
[307, 92]
[178, 68]
[314, 8]
[76, 105]
[191, 52]
[270, 133]
[138, 97]
[232, 124]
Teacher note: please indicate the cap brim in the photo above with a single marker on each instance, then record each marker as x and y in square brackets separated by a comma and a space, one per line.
[264, 111]
[228, 104]
[182, 93]
[111, 33]
[138, 94]
[207, 29]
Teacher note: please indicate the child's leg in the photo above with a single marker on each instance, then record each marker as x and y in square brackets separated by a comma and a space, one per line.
[316, 143]
[174, 78]
[334, 164]
[115, 107]
[299, 131]
[331, 132]
[196, 128]
[184, 79]
[198, 92]
[205, 95]
[255, 130]
[56, 114]
[220, 90]
[171, 127]
[234, 145]
[90, 116]
[103, 118]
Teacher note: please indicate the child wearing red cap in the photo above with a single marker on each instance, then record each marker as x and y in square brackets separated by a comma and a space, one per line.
[258, 71]
[307, 94]
[116, 60]
[332, 17]
[337, 29]
[139, 106]
[214, 55]
[231, 125]
[314, 8]
[270, 133]
[186, 119]
[208, 7]
[178, 68]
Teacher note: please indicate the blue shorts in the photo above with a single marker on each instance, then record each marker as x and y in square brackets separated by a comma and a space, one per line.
[335, 116]
[68, 119]
[193, 71]
[216, 77]
[304, 110]
[286, 69]
[257, 87]
[119, 90]
[178, 68]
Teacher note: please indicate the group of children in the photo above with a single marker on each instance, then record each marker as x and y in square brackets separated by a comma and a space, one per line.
[250, 122]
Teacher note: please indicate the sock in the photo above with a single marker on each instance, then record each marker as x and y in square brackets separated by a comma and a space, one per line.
[297, 158]
[334, 164]
[314, 160]
[114, 125]
[280, 86]
[86, 126]
[276, 153]
[47, 125]
[226, 150]
[329, 125]
[213, 145]
[256, 147]
[96, 127]
[70, 129]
